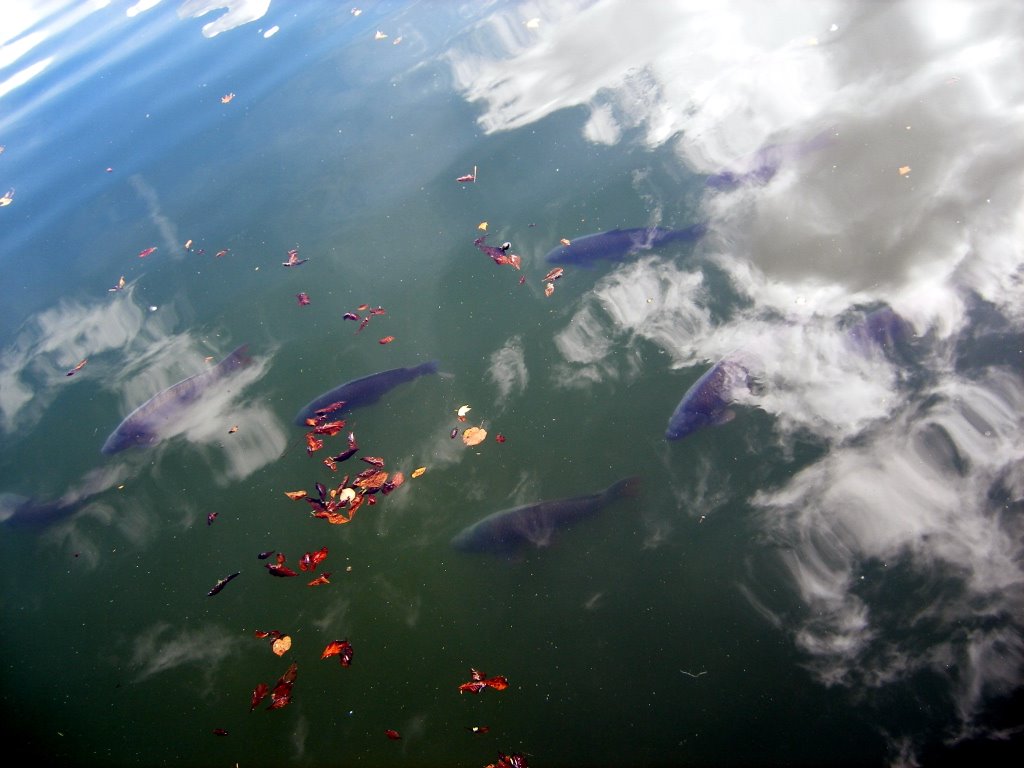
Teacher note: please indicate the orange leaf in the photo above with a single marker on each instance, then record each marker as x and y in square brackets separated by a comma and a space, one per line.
[295, 495]
[418, 471]
[474, 436]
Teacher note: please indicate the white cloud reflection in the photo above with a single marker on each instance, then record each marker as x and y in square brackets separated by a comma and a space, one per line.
[135, 354]
[508, 368]
[236, 13]
[161, 648]
[858, 155]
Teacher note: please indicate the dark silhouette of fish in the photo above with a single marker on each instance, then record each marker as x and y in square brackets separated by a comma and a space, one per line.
[883, 328]
[143, 426]
[23, 512]
[766, 162]
[707, 402]
[365, 391]
[506, 531]
[619, 244]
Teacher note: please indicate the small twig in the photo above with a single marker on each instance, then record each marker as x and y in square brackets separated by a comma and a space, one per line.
[690, 674]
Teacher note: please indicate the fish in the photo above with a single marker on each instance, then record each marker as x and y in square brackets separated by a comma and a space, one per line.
[883, 328]
[763, 165]
[359, 393]
[17, 511]
[142, 427]
[618, 244]
[509, 530]
[707, 402]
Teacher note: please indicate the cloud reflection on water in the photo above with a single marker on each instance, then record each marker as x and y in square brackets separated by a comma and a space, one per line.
[899, 185]
[134, 353]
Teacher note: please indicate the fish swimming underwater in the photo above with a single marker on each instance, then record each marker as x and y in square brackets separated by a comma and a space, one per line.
[617, 244]
[707, 402]
[143, 426]
[510, 529]
[882, 328]
[22, 512]
[365, 391]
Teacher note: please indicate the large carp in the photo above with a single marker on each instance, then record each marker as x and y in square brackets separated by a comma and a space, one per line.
[146, 424]
[365, 391]
[618, 244]
[510, 529]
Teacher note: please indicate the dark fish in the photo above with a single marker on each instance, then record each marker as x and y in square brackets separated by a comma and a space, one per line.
[707, 402]
[359, 393]
[506, 531]
[766, 162]
[22, 512]
[883, 328]
[618, 244]
[142, 426]
[222, 583]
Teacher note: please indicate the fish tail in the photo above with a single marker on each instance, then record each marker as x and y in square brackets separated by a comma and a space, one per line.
[626, 488]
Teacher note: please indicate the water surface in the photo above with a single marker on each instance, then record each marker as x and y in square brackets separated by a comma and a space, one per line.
[833, 576]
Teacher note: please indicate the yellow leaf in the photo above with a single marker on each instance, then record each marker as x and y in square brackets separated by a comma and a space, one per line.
[904, 170]
[482, 226]
[474, 436]
[281, 645]
[418, 471]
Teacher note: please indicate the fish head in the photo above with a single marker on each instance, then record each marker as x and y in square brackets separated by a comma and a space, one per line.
[463, 540]
[690, 420]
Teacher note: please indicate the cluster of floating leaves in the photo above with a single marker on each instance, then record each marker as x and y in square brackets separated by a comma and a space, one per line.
[338, 505]
[471, 435]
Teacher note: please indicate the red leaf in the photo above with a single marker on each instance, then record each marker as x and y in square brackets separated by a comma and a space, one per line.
[342, 649]
[259, 694]
[392, 734]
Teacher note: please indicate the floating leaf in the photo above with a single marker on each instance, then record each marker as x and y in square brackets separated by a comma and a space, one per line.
[392, 734]
[904, 170]
[282, 645]
[549, 289]
[295, 495]
[554, 274]
[340, 648]
[226, 98]
[386, 340]
[418, 472]
[564, 241]
[259, 694]
[474, 436]
[463, 410]
[482, 226]
[370, 480]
